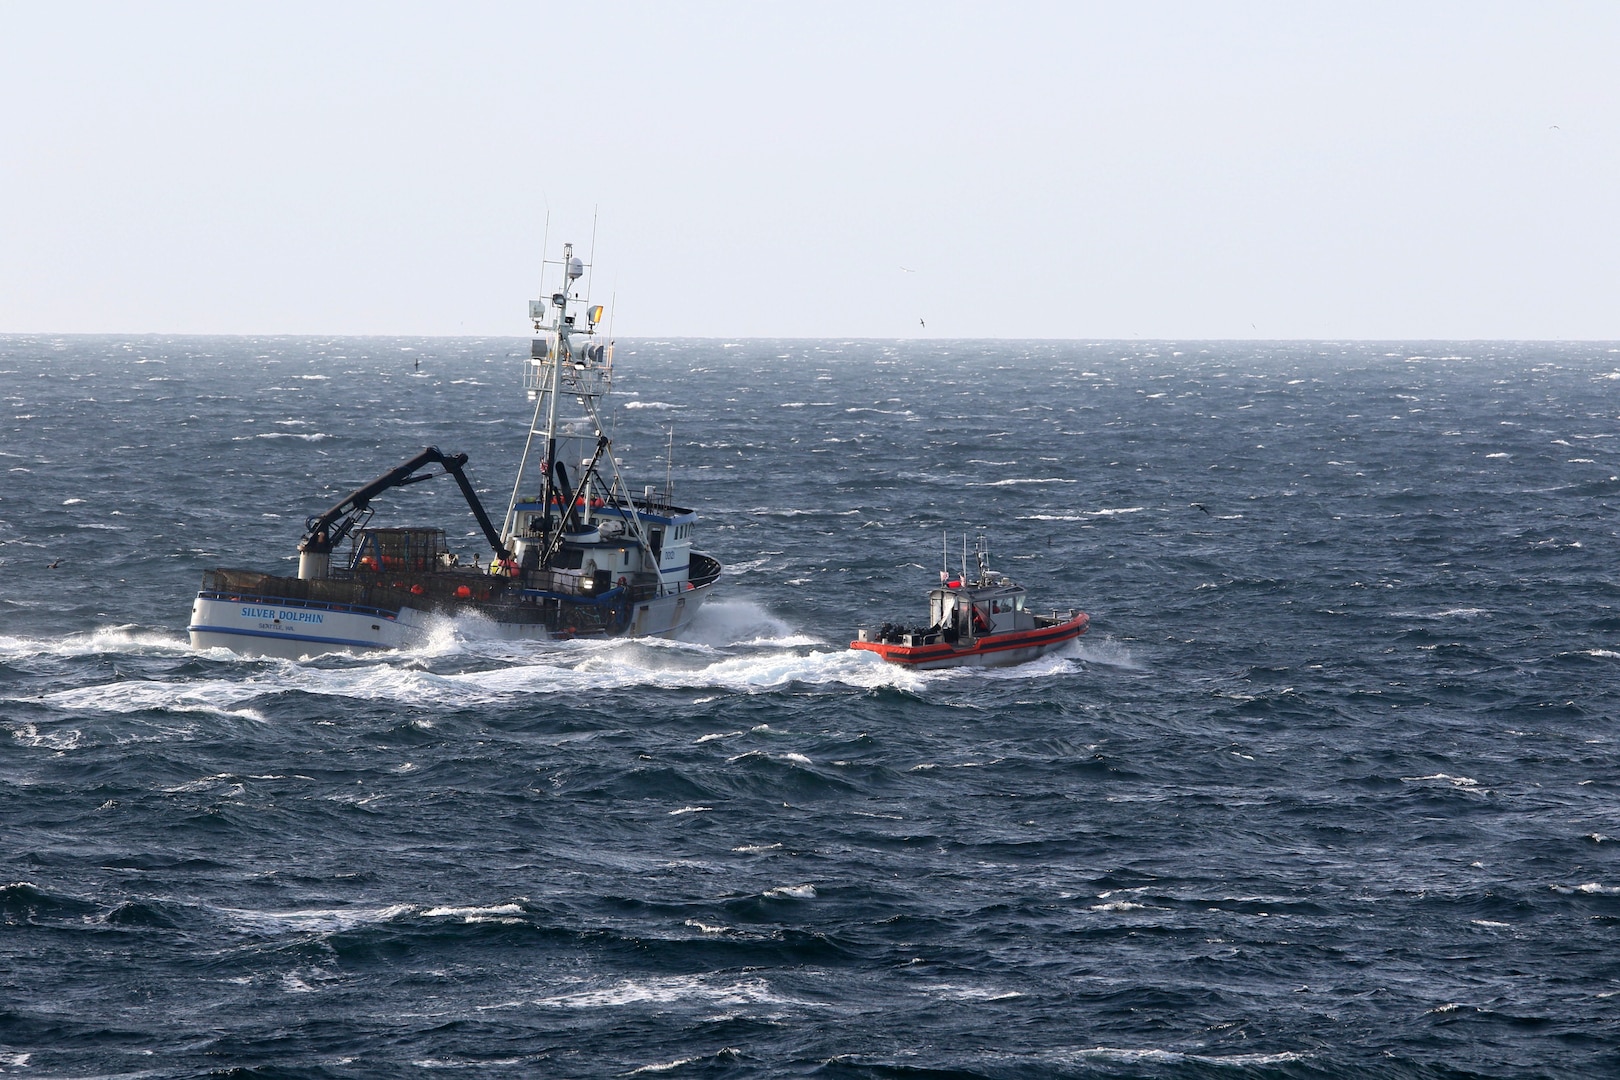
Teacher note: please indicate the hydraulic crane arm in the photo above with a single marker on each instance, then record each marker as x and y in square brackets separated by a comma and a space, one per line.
[327, 530]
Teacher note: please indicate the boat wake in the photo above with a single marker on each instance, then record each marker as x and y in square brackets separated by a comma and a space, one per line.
[734, 646]
[103, 641]
[492, 677]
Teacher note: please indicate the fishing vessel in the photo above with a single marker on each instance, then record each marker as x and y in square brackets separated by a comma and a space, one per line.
[983, 622]
[575, 556]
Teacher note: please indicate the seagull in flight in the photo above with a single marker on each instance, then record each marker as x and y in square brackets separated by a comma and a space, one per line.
[908, 269]
[922, 324]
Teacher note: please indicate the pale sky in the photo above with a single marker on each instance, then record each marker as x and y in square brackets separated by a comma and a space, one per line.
[1060, 170]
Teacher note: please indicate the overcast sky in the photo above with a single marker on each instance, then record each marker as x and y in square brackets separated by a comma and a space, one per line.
[1063, 170]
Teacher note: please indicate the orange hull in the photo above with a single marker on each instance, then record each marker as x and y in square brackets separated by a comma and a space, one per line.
[990, 650]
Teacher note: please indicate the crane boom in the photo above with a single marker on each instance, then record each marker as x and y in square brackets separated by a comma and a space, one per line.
[325, 531]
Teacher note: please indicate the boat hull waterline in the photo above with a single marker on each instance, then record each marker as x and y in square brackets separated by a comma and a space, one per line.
[995, 650]
[250, 624]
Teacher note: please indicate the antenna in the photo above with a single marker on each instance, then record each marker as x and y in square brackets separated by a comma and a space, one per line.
[592, 276]
[545, 245]
[669, 468]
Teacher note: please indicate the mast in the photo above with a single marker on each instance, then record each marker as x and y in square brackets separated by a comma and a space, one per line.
[568, 357]
[559, 300]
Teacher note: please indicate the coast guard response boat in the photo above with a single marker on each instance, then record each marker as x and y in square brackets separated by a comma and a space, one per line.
[574, 557]
[982, 623]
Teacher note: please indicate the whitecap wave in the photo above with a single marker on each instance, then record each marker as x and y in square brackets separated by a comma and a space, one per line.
[301, 436]
[709, 991]
[503, 913]
[1014, 482]
[1106, 652]
[1448, 613]
[1084, 514]
[310, 920]
[1169, 1057]
[791, 892]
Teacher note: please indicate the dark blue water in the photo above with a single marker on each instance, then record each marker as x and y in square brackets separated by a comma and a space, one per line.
[1329, 790]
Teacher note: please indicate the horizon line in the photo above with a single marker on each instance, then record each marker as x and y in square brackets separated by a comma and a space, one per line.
[1099, 339]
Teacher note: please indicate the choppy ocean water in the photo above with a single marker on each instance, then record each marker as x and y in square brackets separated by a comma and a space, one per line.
[1329, 790]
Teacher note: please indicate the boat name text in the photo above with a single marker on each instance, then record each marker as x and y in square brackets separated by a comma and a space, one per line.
[284, 616]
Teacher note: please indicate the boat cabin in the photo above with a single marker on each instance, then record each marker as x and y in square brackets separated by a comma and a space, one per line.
[972, 611]
[599, 543]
